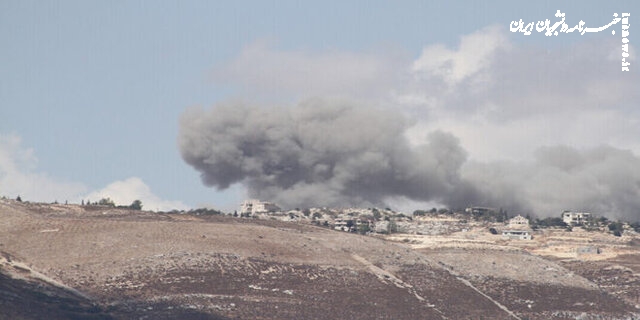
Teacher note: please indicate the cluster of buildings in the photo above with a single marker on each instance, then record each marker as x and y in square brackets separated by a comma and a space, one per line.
[519, 225]
[372, 220]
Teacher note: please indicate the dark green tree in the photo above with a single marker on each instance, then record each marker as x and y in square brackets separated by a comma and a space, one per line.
[363, 228]
[419, 213]
[136, 205]
[106, 202]
[616, 228]
[550, 222]
[392, 227]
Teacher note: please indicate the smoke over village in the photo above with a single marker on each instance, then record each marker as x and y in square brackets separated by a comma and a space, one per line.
[458, 126]
[320, 153]
[337, 153]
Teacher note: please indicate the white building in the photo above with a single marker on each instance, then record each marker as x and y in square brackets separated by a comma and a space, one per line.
[342, 225]
[575, 218]
[516, 234]
[256, 206]
[518, 221]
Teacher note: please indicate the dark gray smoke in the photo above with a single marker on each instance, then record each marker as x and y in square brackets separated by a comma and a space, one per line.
[319, 154]
[323, 153]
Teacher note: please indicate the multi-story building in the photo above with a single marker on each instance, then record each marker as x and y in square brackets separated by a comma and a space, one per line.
[256, 206]
[575, 218]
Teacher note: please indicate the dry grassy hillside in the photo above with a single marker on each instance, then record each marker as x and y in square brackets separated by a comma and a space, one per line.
[68, 261]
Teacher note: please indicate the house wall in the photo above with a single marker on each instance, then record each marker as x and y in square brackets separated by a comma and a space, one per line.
[516, 235]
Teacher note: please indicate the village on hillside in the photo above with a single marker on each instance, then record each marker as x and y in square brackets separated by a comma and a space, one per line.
[437, 222]
[569, 234]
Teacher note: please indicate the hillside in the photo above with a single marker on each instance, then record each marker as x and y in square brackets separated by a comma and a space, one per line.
[91, 262]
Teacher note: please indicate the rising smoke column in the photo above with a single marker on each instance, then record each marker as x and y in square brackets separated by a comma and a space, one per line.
[320, 153]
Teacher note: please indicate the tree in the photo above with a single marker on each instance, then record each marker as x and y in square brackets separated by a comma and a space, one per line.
[616, 228]
[392, 227]
[106, 202]
[550, 222]
[136, 205]
[419, 213]
[19, 199]
[363, 228]
[376, 214]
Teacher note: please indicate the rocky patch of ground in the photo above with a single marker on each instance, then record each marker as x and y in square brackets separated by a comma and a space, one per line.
[619, 277]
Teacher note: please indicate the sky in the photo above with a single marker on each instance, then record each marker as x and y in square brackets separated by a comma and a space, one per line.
[97, 99]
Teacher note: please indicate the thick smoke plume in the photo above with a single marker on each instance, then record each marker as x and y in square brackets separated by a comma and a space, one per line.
[319, 154]
[323, 153]
[602, 180]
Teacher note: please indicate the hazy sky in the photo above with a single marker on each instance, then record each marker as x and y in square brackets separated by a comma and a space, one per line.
[92, 92]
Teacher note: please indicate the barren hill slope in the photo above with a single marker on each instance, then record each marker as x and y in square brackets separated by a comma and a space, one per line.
[131, 264]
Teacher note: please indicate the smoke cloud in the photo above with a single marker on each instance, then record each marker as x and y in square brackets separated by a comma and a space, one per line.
[320, 153]
[328, 153]
[602, 180]
[553, 111]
